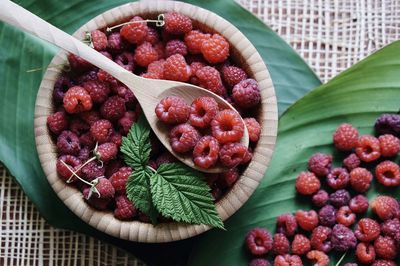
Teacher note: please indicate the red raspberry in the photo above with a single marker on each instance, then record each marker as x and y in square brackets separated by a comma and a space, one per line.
[84, 153]
[254, 128]
[365, 253]
[345, 216]
[360, 179]
[194, 40]
[385, 247]
[343, 238]
[101, 130]
[92, 171]
[232, 75]
[338, 178]
[68, 143]
[145, 54]
[259, 241]
[232, 154]
[327, 215]
[77, 100]
[194, 67]
[229, 177]
[300, 245]
[368, 149]
[176, 23]
[259, 262]
[126, 60]
[125, 209]
[62, 84]
[125, 123]
[388, 173]
[209, 78]
[351, 162]
[285, 260]
[115, 43]
[321, 239]
[246, 93]
[345, 137]
[320, 198]
[105, 189]
[351, 264]
[87, 76]
[389, 144]
[175, 47]
[119, 179]
[391, 228]
[384, 263]
[105, 77]
[97, 90]
[160, 49]
[113, 109]
[106, 151]
[320, 164]
[135, 32]
[280, 245]
[175, 68]
[202, 111]
[307, 220]
[57, 122]
[172, 110]
[78, 64]
[307, 183]
[385, 207]
[156, 69]
[63, 171]
[90, 116]
[112, 167]
[320, 258]
[78, 126]
[99, 40]
[286, 224]
[165, 157]
[152, 36]
[359, 204]
[183, 138]
[367, 230]
[215, 49]
[205, 152]
[339, 198]
[127, 95]
[227, 126]
[116, 138]
[247, 157]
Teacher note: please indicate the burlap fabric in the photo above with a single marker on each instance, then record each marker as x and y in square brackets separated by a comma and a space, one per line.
[331, 35]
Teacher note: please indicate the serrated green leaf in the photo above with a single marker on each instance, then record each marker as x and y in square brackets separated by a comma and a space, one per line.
[181, 194]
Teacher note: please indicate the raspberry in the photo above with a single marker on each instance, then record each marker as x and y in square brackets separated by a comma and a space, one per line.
[383, 263]
[116, 138]
[359, 204]
[232, 75]
[286, 224]
[105, 77]
[172, 110]
[259, 262]
[78, 126]
[280, 245]
[62, 84]
[247, 157]
[106, 151]
[165, 157]
[215, 49]
[351, 264]
[288, 260]
[92, 170]
[202, 111]
[205, 152]
[327, 216]
[99, 40]
[246, 93]
[367, 230]
[113, 109]
[254, 129]
[345, 216]
[78, 64]
[320, 258]
[152, 164]
[320, 164]
[175, 68]
[84, 153]
[351, 162]
[365, 253]
[227, 126]
[144, 218]
[90, 116]
[300, 245]
[338, 178]
[321, 239]
[135, 32]
[127, 95]
[385, 207]
[97, 90]
[155, 70]
[68, 143]
[115, 43]
[125, 209]
[160, 49]
[345, 137]
[368, 148]
[94, 201]
[176, 23]
[320, 198]
[126, 60]
[232, 154]
[339, 198]
[389, 144]
[388, 173]
[194, 40]
[229, 177]
[145, 54]
[360, 179]
[209, 78]
[105, 189]
[391, 228]
[183, 138]
[77, 100]
[64, 171]
[101, 130]
[175, 47]
[106, 54]
[57, 122]
[307, 183]
[259, 241]
[307, 220]
[385, 247]
[113, 167]
[343, 238]
[388, 124]
[125, 123]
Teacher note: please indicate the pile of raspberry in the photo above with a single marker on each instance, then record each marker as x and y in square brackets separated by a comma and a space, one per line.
[93, 110]
[338, 222]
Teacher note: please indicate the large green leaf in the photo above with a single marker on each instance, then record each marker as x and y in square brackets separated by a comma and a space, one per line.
[20, 52]
[358, 96]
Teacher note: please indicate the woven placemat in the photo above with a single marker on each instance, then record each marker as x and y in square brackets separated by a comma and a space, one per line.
[331, 35]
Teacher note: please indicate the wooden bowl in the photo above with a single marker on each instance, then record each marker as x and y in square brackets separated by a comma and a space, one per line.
[243, 52]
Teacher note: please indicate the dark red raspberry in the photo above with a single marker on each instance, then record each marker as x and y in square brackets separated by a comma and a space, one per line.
[232, 75]
[165, 157]
[99, 40]
[77, 100]
[176, 23]
[78, 126]
[227, 126]
[101, 130]
[385, 247]
[202, 111]
[97, 90]
[90, 116]
[160, 49]
[259, 241]
[254, 128]
[368, 148]
[351, 162]
[125, 123]
[125, 209]
[205, 152]
[307, 220]
[106, 152]
[105, 77]
[145, 54]
[246, 93]
[229, 177]
[105, 189]
[78, 64]
[384, 263]
[307, 183]
[300, 245]
[194, 40]
[65, 172]
[84, 153]
[209, 78]
[285, 260]
[338, 178]
[343, 238]
[172, 110]
[62, 84]
[327, 216]
[115, 43]
[232, 154]
[116, 138]
[215, 49]
[286, 224]
[175, 47]
[359, 204]
[94, 200]
[126, 60]
[388, 124]
[152, 36]
[112, 167]
[87, 76]
[143, 218]
[320, 164]
[259, 262]
[183, 138]
[68, 143]
[320, 198]
[57, 122]
[391, 227]
[319, 258]
[135, 32]
[365, 253]
[360, 179]
[385, 207]
[339, 198]
[321, 239]
[367, 230]
[128, 96]
[92, 171]
[351, 264]
[345, 216]
[389, 144]
[345, 137]
[175, 68]
[113, 108]
[280, 245]
[388, 173]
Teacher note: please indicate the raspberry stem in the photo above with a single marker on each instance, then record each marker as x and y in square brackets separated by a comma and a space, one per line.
[342, 258]
[159, 22]
[79, 168]
[152, 169]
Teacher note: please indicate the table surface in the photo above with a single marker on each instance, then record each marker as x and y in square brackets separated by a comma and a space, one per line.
[331, 35]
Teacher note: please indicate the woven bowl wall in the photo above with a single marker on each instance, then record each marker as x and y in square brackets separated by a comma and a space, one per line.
[243, 53]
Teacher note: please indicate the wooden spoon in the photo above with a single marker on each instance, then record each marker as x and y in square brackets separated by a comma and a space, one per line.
[148, 92]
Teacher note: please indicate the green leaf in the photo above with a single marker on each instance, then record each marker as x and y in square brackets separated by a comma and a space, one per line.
[136, 145]
[358, 96]
[181, 194]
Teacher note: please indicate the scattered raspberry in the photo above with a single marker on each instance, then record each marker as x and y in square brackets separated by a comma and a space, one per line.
[172, 110]
[360, 179]
[259, 262]
[280, 245]
[343, 238]
[285, 260]
[338, 178]
[339, 198]
[135, 32]
[77, 100]
[78, 64]
[227, 126]
[205, 152]
[62, 84]
[68, 143]
[388, 173]
[229, 177]
[125, 123]
[57, 122]
[175, 68]
[113, 109]
[119, 179]
[307, 220]
[254, 129]
[78, 126]
[63, 171]
[215, 49]
[99, 40]
[286, 224]
[125, 209]
[345, 216]
[165, 157]
[320, 164]
[320, 198]
[320, 258]
[259, 241]
[385, 247]
[300, 245]
[92, 171]
[391, 228]
[368, 148]
[383, 263]
[246, 93]
[194, 40]
[176, 23]
[345, 137]
[385, 207]
[116, 43]
[365, 253]
[367, 230]
[202, 111]
[106, 151]
[126, 60]
[209, 78]
[232, 75]
[155, 69]
[152, 36]
[307, 183]
[183, 138]
[389, 144]
[145, 54]
[232, 154]
[359, 204]
[321, 239]
[97, 90]
[388, 124]
[351, 162]
[175, 47]
[327, 216]
[101, 130]
[90, 116]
